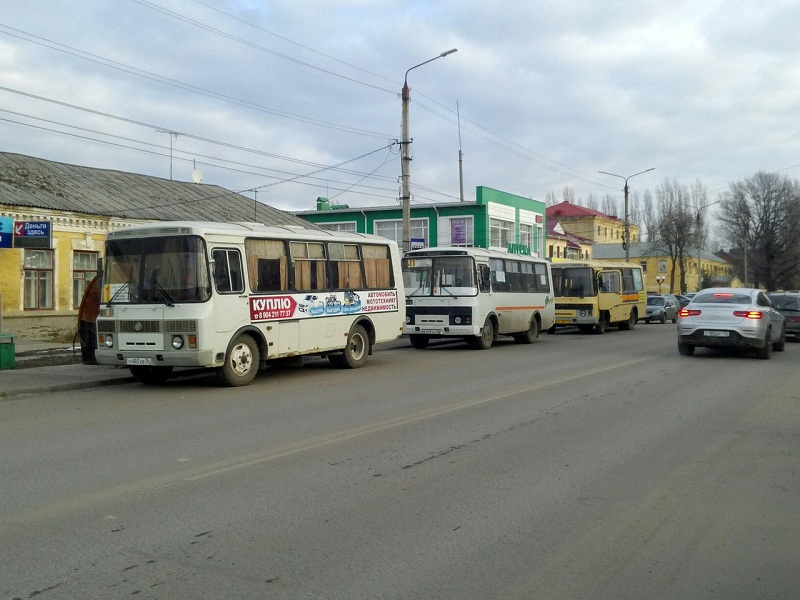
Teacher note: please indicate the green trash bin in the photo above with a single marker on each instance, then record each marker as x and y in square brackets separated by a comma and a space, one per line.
[6, 351]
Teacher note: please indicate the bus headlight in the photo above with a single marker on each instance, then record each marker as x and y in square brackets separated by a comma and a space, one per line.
[177, 342]
[109, 340]
[582, 313]
[408, 320]
[457, 320]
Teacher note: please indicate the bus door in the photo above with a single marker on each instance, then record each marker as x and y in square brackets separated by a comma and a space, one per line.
[609, 292]
[231, 307]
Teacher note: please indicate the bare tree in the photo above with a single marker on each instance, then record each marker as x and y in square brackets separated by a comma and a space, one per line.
[675, 228]
[550, 199]
[568, 194]
[609, 205]
[761, 217]
[648, 217]
[591, 202]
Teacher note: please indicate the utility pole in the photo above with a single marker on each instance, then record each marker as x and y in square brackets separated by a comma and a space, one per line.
[626, 232]
[405, 162]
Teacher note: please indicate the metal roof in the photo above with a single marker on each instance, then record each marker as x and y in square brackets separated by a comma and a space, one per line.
[37, 183]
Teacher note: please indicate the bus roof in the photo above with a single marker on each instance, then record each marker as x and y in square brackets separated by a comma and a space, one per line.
[470, 251]
[596, 264]
[241, 229]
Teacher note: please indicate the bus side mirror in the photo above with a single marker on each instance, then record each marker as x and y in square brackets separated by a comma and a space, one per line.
[485, 277]
[99, 268]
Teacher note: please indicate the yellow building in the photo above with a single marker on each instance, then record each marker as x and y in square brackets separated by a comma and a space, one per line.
[591, 225]
[42, 280]
[658, 267]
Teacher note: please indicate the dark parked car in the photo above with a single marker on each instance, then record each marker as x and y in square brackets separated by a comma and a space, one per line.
[683, 300]
[789, 306]
[661, 308]
[731, 318]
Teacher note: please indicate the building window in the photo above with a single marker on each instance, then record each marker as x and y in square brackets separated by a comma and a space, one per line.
[84, 269]
[460, 232]
[501, 233]
[662, 266]
[526, 236]
[350, 226]
[393, 230]
[644, 266]
[38, 266]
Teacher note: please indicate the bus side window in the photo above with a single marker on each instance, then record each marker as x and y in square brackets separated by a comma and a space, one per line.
[608, 282]
[485, 276]
[227, 271]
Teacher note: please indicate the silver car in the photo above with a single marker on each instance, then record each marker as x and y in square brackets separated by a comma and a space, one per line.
[661, 309]
[731, 318]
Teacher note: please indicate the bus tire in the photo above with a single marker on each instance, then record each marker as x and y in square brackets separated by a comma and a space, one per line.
[485, 340]
[630, 323]
[241, 362]
[151, 375]
[357, 348]
[600, 326]
[529, 336]
[420, 342]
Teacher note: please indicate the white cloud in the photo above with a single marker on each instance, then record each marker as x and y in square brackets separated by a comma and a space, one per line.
[550, 92]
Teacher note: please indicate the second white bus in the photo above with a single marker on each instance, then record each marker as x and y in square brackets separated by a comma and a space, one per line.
[476, 294]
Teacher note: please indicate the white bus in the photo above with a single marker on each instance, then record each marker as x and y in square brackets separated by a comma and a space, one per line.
[476, 294]
[231, 296]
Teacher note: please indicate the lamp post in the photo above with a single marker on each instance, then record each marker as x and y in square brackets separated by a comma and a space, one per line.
[405, 162]
[659, 281]
[626, 242]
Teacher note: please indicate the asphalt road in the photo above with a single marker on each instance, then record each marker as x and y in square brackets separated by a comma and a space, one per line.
[578, 467]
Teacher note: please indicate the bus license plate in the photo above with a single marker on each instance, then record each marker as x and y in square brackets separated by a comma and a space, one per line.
[430, 331]
[716, 333]
[139, 361]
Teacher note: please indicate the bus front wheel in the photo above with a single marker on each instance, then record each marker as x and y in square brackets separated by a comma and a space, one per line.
[485, 340]
[600, 326]
[419, 342]
[151, 375]
[241, 363]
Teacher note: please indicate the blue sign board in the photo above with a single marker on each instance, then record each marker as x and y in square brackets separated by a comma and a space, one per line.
[32, 234]
[6, 232]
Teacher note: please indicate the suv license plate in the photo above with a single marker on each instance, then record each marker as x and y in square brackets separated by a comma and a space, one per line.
[139, 361]
[716, 333]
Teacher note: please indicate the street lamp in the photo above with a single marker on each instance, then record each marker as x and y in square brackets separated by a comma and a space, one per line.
[405, 163]
[659, 280]
[626, 242]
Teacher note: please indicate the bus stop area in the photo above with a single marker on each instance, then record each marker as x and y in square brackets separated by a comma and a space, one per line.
[40, 367]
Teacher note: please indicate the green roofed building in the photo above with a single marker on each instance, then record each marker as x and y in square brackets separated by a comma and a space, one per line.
[496, 220]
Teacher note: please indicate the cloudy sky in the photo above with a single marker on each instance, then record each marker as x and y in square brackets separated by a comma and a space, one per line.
[289, 100]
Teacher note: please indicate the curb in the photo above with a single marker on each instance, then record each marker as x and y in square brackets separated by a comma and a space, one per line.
[63, 387]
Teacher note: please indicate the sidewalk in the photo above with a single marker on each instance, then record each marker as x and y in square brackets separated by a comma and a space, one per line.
[41, 367]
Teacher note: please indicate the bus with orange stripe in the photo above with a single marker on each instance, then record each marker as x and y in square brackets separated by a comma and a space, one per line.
[477, 295]
[594, 295]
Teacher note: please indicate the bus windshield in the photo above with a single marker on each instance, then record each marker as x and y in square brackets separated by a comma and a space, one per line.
[574, 282]
[440, 276]
[162, 270]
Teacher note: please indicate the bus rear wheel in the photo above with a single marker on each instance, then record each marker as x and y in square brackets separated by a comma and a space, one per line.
[529, 336]
[241, 363]
[151, 375]
[355, 352]
[630, 323]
